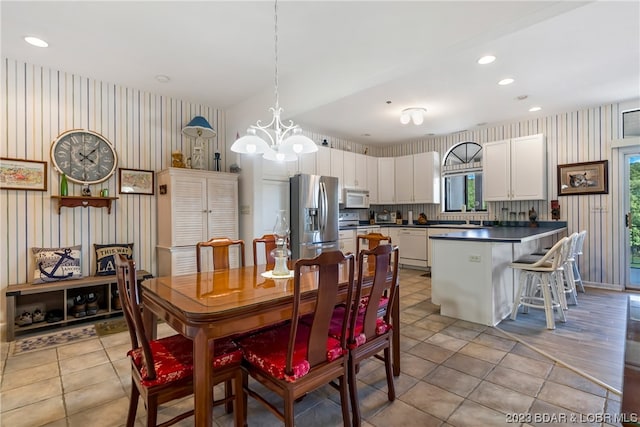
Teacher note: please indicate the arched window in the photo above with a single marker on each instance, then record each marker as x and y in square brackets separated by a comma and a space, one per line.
[462, 173]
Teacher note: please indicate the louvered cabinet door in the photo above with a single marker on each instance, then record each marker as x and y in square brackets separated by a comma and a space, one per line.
[189, 210]
[222, 207]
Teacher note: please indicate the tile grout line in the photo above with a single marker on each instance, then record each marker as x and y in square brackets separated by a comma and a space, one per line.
[560, 362]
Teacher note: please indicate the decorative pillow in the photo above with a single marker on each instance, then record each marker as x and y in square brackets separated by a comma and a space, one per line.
[105, 262]
[53, 264]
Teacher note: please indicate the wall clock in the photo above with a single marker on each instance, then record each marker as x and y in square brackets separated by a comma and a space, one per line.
[84, 156]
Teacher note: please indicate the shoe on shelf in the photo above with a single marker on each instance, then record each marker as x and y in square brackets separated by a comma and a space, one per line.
[92, 303]
[115, 301]
[24, 319]
[38, 316]
[55, 315]
[79, 308]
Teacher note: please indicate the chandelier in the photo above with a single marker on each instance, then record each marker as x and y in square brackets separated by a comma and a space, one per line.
[275, 140]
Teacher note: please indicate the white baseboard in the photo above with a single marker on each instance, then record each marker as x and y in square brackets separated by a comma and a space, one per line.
[608, 286]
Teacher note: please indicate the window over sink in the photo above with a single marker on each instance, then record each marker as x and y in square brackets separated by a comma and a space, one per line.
[462, 175]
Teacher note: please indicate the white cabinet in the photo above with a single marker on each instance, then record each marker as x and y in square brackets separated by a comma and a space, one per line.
[386, 180]
[413, 246]
[337, 170]
[417, 178]
[372, 179]
[515, 169]
[194, 206]
[307, 163]
[323, 161]
[355, 170]
[347, 241]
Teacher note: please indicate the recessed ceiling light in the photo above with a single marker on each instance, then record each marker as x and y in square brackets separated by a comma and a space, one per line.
[482, 124]
[533, 109]
[34, 41]
[366, 134]
[162, 78]
[487, 59]
[505, 82]
[522, 97]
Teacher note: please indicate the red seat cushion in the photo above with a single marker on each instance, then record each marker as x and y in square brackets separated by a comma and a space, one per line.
[173, 358]
[335, 328]
[268, 351]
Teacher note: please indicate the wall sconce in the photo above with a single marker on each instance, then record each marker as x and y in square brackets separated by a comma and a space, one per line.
[200, 129]
[414, 114]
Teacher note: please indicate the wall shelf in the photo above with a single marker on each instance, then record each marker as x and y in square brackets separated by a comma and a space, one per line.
[75, 201]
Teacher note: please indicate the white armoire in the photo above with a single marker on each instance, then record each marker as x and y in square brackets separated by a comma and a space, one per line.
[194, 206]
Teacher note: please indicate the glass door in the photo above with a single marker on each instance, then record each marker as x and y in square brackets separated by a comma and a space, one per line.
[632, 217]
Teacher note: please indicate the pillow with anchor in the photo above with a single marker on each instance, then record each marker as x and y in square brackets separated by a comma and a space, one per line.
[54, 264]
[105, 262]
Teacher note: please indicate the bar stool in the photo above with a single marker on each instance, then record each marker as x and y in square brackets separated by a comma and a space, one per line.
[573, 261]
[540, 285]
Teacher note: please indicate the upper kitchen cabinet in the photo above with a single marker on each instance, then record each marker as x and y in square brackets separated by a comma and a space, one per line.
[323, 161]
[307, 163]
[337, 170]
[515, 169]
[355, 170]
[372, 179]
[386, 180]
[417, 178]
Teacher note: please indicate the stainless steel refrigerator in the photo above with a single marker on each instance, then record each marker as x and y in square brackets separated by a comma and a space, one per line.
[314, 215]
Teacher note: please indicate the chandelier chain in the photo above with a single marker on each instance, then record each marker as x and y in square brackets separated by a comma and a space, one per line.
[275, 20]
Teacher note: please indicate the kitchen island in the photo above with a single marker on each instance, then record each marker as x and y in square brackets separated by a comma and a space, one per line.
[470, 274]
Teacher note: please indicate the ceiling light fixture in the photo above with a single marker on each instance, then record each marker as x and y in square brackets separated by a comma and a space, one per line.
[275, 140]
[534, 109]
[506, 81]
[162, 78]
[35, 41]
[415, 114]
[487, 59]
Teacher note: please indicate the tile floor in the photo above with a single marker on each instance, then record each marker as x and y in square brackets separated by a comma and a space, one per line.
[454, 373]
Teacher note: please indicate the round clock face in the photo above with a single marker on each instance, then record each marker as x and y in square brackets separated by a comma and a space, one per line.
[84, 156]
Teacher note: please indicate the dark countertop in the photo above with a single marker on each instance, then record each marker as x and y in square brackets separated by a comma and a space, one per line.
[501, 234]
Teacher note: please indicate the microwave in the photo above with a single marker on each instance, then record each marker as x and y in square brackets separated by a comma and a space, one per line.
[356, 199]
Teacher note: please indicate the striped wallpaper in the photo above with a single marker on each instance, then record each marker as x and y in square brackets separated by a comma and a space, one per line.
[39, 103]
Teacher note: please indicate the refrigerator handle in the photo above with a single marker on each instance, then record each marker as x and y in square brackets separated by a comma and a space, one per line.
[324, 204]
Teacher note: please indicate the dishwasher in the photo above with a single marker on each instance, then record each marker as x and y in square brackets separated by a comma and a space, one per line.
[413, 246]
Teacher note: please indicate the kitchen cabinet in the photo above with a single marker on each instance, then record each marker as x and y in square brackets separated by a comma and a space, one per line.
[417, 178]
[347, 241]
[307, 163]
[515, 169]
[372, 179]
[323, 161]
[355, 170]
[413, 246]
[194, 206]
[386, 180]
[337, 170]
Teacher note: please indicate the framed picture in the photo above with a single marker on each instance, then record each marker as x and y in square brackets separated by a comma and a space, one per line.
[136, 181]
[583, 178]
[16, 174]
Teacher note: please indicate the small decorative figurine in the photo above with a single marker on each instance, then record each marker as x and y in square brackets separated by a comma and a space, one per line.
[86, 191]
[176, 160]
[533, 215]
[422, 218]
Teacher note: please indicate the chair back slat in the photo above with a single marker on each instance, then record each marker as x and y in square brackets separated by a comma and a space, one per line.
[220, 252]
[269, 243]
[386, 262]
[132, 308]
[326, 267]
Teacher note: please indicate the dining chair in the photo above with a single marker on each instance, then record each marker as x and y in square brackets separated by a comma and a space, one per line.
[373, 240]
[268, 241]
[220, 251]
[370, 328]
[296, 358]
[162, 369]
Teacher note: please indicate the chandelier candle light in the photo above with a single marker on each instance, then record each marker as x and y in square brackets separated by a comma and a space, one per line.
[275, 140]
[414, 114]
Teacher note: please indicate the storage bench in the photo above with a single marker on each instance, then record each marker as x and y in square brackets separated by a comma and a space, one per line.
[59, 296]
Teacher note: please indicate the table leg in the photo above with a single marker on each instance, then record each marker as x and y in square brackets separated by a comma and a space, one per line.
[150, 322]
[202, 386]
[395, 332]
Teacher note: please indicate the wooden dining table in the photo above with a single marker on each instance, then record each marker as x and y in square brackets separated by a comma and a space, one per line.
[215, 304]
